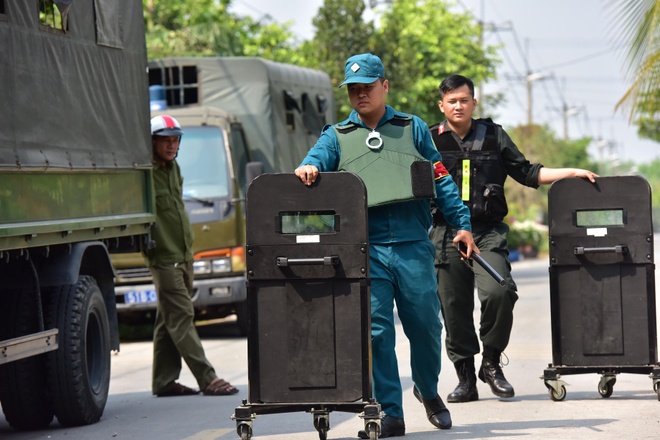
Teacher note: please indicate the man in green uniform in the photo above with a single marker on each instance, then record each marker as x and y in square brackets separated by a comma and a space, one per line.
[171, 266]
[479, 155]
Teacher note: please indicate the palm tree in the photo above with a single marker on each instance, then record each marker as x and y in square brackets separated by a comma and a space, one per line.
[638, 23]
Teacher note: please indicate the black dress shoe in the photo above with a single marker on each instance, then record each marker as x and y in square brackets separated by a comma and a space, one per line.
[389, 427]
[436, 411]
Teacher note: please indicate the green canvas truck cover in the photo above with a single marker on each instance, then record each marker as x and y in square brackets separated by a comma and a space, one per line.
[75, 152]
[282, 107]
[69, 98]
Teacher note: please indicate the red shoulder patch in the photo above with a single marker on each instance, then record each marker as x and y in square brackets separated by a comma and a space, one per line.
[439, 170]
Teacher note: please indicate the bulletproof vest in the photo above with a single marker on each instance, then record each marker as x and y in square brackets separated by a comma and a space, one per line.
[393, 172]
[479, 172]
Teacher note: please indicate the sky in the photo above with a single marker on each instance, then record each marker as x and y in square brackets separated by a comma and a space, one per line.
[568, 44]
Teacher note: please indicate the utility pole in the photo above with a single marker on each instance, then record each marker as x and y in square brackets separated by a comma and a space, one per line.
[483, 27]
[529, 79]
[566, 113]
[480, 87]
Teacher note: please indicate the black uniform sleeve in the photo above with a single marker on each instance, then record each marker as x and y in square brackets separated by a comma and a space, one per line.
[516, 164]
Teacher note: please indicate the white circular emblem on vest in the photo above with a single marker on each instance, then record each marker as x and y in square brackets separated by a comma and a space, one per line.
[374, 145]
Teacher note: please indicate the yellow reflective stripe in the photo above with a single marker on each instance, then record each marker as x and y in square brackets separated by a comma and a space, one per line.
[465, 184]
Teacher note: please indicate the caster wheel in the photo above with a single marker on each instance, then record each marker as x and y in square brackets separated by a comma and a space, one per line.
[322, 425]
[606, 388]
[244, 431]
[557, 396]
[373, 430]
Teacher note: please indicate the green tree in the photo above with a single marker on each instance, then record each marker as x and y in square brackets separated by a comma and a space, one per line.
[421, 43]
[417, 41]
[651, 172]
[186, 28]
[206, 28]
[340, 31]
[271, 41]
[541, 145]
[638, 24]
[648, 120]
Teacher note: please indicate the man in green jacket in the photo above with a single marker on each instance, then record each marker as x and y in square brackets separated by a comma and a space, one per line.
[171, 266]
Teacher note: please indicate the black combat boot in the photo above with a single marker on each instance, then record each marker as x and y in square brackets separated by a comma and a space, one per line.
[466, 390]
[491, 373]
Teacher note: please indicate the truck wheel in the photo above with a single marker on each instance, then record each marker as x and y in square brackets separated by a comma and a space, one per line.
[23, 389]
[79, 371]
[242, 318]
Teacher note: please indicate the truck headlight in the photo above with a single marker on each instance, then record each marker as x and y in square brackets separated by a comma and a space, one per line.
[221, 265]
[220, 261]
[201, 267]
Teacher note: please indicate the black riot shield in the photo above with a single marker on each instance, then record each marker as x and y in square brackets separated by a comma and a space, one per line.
[602, 282]
[308, 298]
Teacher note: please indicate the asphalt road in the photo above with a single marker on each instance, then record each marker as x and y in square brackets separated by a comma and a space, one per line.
[632, 412]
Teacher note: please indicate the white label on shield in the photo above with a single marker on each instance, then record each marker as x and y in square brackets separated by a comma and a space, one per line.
[597, 232]
[308, 238]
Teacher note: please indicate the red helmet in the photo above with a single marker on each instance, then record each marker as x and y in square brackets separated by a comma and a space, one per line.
[165, 126]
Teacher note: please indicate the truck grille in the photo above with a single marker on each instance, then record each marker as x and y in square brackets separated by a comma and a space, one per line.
[134, 274]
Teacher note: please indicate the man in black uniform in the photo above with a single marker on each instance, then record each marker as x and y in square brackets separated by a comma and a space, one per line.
[479, 155]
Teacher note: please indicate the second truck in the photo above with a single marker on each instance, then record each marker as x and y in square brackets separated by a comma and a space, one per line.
[241, 116]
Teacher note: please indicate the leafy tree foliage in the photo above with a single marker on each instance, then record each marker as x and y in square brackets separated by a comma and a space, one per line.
[420, 46]
[340, 31]
[206, 28]
[651, 172]
[539, 144]
[271, 41]
[637, 23]
[420, 42]
[417, 41]
[648, 119]
[187, 28]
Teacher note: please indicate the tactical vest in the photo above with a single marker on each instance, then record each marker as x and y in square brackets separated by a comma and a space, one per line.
[396, 171]
[479, 173]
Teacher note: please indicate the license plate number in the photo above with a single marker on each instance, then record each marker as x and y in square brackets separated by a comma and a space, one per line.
[139, 297]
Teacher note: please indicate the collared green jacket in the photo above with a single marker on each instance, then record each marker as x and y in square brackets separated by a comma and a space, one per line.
[172, 231]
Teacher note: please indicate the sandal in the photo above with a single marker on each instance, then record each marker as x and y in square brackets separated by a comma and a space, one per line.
[176, 389]
[220, 387]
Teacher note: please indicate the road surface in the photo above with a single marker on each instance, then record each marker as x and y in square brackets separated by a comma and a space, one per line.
[632, 412]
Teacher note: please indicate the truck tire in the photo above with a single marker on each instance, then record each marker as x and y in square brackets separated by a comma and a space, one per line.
[23, 386]
[79, 371]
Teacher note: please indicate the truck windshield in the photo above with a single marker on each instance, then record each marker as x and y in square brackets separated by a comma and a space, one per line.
[203, 161]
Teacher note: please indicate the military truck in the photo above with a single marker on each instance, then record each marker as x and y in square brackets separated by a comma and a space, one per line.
[75, 166]
[240, 116]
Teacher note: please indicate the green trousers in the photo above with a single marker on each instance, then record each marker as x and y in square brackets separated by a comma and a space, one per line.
[175, 335]
[456, 283]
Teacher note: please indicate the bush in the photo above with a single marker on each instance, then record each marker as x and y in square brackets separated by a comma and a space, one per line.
[526, 235]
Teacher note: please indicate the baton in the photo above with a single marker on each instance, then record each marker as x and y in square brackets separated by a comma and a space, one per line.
[487, 267]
